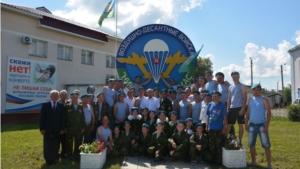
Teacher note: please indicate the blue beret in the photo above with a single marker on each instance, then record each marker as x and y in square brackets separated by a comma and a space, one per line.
[126, 122]
[152, 111]
[161, 123]
[74, 93]
[134, 108]
[120, 80]
[162, 111]
[188, 119]
[181, 121]
[138, 76]
[208, 71]
[216, 92]
[146, 125]
[111, 80]
[132, 88]
[183, 92]
[145, 108]
[172, 80]
[201, 77]
[121, 93]
[257, 85]
[156, 88]
[117, 127]
[199, 124]
[100, 93]
[140, 88]
[173, 112]
[85, 96]
[196, 91]
[204, 91]
[88, 88]
[91, 95]
[163, 90]
[207, 94]
[172, 91]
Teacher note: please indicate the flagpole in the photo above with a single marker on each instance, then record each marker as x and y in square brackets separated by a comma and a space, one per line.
[116, 46]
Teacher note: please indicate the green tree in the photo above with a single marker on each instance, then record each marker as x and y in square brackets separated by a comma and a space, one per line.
[288, 93]
[204, 64]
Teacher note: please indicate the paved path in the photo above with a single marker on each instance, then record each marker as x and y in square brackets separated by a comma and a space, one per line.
[143, 162]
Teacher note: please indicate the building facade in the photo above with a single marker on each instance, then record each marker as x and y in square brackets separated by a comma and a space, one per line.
[83, 55]
[295, 71]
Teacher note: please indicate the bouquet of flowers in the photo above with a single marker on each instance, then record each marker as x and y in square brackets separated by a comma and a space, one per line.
[232, 143]
[94, 147]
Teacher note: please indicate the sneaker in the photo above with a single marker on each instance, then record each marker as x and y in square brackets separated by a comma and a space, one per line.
[194, 162]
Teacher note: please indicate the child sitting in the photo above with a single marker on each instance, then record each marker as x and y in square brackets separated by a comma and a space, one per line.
[152, 121]
[135, 122]
[127, 139]
[173, 122]
[144, 141]
[158, 145]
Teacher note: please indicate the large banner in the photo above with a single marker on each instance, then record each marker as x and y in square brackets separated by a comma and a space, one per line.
[28, 84]
[155, 51]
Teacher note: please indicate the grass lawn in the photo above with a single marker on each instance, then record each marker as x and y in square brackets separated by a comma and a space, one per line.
[21, 147]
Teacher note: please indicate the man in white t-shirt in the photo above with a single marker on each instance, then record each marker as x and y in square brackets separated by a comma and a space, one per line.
[130, 99]
[150, 102]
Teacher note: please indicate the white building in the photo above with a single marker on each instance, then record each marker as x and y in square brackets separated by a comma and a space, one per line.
[295, 71]
[83, 55]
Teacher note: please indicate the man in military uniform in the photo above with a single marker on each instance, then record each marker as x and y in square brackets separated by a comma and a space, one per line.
[199, 145]
[127, 139]
[144, 141]
[179, 142]
[173, 122]
[162, 116]
[135, 122]
[158, 146]
[75, 124]
[165, 103]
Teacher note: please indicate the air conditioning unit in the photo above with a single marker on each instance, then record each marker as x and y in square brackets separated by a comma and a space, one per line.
[27, 39]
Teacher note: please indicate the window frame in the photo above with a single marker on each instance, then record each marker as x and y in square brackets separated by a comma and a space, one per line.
[111, 58]
[64, 52]
[86, 55]
[36, 42]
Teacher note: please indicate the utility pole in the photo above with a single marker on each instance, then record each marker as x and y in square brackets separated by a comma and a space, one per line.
[277, 87]
[282, 92]
[251, 71]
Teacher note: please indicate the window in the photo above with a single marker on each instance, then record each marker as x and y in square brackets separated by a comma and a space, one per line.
[38, 48]
[110, 61]
[64, 52]
[87, 57]
[109, 77]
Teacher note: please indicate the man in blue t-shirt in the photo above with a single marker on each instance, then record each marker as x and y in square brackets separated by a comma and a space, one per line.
[258, 109]
[216, 125]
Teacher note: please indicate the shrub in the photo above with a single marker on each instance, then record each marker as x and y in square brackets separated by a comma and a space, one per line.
[293, 112]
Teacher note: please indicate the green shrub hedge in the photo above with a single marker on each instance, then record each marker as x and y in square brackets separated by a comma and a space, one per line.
[293, 112]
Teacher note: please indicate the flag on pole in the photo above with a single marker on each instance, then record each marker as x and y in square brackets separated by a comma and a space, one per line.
[109, 12]
[189, 63]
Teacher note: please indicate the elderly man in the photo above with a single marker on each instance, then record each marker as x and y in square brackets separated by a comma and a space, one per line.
[150, 102]
[130, 100]
[75, 124]
[52, 124]
[62, 138]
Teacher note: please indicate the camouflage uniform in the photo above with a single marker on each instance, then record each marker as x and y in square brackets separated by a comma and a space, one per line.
[126, 142]
[143, 144]
[204, 152]
[166, 105]
[152, 127]
[105, 111]
[167, 129]
[75, 122]
[117, 144]
[158, 143]
[182, 143]
[172, 128]
[215, 144]
[136, 127]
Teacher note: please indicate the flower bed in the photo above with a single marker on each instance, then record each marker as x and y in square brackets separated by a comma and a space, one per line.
[92, 156]
[234, 158]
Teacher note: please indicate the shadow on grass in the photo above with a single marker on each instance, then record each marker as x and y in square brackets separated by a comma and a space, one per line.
[29, 125]
[212, 166]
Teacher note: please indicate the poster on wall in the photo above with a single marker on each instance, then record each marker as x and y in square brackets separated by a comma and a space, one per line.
[29, 83]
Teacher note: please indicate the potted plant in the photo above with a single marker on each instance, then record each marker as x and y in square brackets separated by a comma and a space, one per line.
[92, 156]
[234, 155]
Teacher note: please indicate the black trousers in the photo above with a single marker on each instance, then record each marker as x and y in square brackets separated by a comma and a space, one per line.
[62, 144]
[51, 147]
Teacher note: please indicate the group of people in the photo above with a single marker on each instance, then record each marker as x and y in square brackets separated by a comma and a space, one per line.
[182, 122]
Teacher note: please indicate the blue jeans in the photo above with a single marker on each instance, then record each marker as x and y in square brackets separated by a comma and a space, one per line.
[257, 129]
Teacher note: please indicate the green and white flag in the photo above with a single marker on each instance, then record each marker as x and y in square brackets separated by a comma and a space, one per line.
[187, 65]
[109, 12]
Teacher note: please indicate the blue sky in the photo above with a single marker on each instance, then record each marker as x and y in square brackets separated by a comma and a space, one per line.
[231, 31]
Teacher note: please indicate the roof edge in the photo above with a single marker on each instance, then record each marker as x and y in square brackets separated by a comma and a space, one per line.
[12, 9]
[294, 49]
